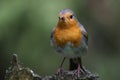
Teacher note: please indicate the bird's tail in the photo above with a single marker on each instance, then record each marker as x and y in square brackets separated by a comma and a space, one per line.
[72, 64]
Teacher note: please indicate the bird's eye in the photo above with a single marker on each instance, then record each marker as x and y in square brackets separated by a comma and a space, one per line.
[71, 16]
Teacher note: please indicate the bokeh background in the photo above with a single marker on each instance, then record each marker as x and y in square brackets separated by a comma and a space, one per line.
[26, 25]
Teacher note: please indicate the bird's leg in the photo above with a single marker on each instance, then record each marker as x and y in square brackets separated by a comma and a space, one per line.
[80, 69]
[80, 65]
[59, 71]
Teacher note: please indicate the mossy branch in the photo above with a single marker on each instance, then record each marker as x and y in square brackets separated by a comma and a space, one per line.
[18, 72]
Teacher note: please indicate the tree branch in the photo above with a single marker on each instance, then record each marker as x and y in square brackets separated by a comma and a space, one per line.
[17, 71]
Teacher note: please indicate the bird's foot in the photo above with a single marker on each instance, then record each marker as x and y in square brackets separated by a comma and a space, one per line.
[80, 71]
[59, 71]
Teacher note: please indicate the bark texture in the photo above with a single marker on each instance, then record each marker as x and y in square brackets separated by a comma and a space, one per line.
[17, 71]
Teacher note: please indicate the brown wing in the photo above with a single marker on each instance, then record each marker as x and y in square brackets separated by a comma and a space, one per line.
[84, 32]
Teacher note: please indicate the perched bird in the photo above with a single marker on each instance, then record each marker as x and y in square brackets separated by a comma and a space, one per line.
[70, 39]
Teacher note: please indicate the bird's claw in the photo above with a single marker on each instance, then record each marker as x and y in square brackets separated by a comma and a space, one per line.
[59, 71]
[80, 72]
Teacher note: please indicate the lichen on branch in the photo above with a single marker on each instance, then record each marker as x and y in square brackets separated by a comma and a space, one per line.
[17, 71]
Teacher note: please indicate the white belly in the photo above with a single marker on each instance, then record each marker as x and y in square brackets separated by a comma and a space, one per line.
[73, 52]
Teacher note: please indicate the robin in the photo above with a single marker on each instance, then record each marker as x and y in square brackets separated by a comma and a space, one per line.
[70, 39]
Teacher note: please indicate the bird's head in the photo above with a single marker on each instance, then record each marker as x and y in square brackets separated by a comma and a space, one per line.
[67, 18]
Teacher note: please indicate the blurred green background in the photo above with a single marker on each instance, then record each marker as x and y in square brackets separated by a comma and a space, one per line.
[26, 25]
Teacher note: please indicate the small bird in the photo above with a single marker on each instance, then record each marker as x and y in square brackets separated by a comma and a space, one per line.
[70, 39]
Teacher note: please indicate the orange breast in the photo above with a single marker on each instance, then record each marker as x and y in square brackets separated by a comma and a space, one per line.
[64, 35]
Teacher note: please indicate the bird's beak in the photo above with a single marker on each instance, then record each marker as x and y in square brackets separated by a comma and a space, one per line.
[62, 19]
